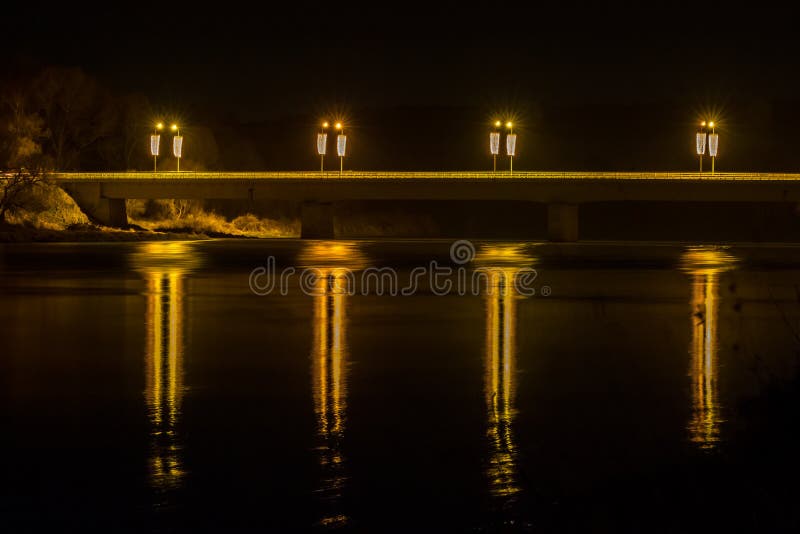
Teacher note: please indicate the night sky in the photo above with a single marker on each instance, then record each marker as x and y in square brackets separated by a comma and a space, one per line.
[617, 87]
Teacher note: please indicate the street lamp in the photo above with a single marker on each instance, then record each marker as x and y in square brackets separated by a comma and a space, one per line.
[713, 145]
[155, 143]
[177, 144]
[511, 145]
[701, 143]
[494, 144]
[322, 145]
[341, 145]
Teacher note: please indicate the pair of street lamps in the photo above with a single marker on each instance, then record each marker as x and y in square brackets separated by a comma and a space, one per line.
[713, 143]
[322, 145]
[155, 144]
[511, 144]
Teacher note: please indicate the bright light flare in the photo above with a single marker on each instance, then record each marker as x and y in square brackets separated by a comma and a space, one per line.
[511, 144]
[325, 124]
[509, 124]
[155, 143]
[322, 143]
[341, 145]
[174, 127]
[177, 145]
[494, 143]
[160, 126]
[701, 143]
[338, 125]
[497, 124]
[713, 145]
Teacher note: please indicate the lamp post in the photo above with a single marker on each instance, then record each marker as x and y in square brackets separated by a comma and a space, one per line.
[322, 145]
[155, 143]
[341, 145]
[713, 145]
[511, 145]
[177, 144]
[494, 144]
[701, 143]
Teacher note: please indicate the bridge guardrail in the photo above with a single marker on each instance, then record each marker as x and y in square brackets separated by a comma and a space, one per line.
[388, 175]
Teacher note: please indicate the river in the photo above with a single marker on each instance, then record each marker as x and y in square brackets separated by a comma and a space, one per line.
[242, 385]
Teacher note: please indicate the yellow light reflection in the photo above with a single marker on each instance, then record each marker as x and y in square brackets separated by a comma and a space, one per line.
[500, 381]
[329, 385]
[705, 266]
[164, 267]
[321, 254]
[501, 254]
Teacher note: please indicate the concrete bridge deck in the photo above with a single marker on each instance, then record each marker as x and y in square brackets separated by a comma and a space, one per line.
[102, 195]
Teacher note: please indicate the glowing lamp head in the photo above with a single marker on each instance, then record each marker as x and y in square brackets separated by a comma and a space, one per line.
[497, 124]
[711, 124]
[511, 144]
[703, 124]
[325, 124]
[338, 125]
[159, 126]
[494, 143]
[509, 125]
[174, 127]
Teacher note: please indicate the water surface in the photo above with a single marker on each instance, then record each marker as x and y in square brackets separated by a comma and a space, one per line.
[146, 387]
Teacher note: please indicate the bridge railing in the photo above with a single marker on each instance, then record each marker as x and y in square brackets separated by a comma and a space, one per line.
[447, 175]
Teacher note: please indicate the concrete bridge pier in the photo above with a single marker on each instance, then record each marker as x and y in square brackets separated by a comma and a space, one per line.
[99, 209]
[562, 222]
[316, 220]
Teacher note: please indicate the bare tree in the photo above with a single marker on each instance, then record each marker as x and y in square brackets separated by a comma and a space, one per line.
[17, 188]
[76, 110]
[21, 132]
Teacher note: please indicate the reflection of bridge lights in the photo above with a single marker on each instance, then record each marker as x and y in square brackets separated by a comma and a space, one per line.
[164, 266]
[164, 375]
[704, 260]
[500, 381]
[329, 386]
[516, 254]
[172, 256]
[705, 265]
[327, 254]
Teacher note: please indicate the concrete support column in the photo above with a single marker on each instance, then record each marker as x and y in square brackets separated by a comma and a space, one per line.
[316, 220]
[100, 210]
[562, 222]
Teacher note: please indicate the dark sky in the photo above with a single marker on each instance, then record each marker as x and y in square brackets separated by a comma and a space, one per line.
[568, 73]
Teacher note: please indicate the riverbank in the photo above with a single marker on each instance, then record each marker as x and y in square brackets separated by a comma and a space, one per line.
[91, 233]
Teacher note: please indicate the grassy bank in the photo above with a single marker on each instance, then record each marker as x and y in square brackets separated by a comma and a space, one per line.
[50, 215]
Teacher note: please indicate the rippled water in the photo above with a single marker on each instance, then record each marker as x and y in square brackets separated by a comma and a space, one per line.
[147, 387]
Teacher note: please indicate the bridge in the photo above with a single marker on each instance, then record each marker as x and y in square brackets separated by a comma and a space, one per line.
[102, 195]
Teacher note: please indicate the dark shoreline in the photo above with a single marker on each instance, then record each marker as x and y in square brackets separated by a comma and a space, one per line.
[92, 234]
